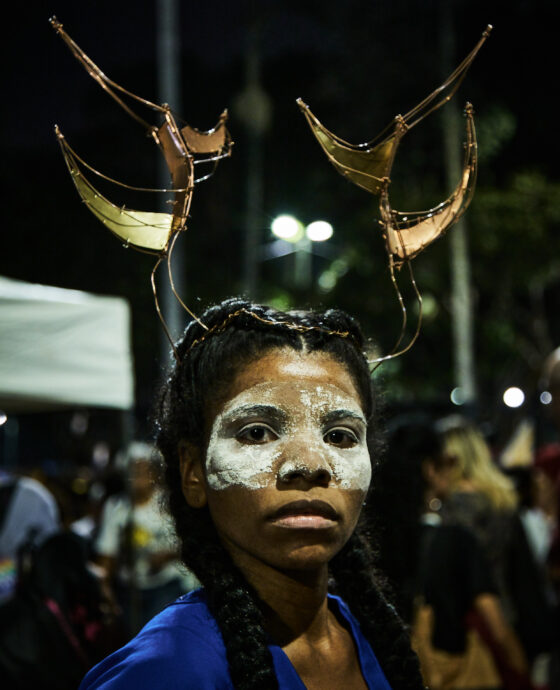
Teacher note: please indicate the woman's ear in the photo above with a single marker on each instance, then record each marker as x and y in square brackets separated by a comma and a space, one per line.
[192, 475]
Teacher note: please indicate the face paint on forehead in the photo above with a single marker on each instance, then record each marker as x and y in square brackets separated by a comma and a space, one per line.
[298, 412]
[317, 401]
[294, 400]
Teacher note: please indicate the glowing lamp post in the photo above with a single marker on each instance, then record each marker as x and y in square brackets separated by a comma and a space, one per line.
[292, 230]
[287, 228]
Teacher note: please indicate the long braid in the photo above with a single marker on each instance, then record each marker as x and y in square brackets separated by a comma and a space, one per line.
[356, 582]
[232, 602]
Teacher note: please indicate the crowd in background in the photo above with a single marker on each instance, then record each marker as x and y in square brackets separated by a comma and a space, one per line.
[82, 571]
[469, 540]
[470, 550]
[471, 554]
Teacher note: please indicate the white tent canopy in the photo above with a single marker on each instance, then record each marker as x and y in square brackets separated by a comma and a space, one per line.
[61, 348]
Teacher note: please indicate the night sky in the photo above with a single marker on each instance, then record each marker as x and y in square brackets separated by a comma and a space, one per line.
[337, 56]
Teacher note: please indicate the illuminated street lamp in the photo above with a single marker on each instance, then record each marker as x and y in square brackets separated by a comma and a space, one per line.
[290, 229]
[287, 228]
[319, 231]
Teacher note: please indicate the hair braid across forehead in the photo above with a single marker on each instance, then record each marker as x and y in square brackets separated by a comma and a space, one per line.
[241, 315]
[267, 321]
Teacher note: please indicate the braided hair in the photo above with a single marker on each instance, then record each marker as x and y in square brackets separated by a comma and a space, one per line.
[207, 362]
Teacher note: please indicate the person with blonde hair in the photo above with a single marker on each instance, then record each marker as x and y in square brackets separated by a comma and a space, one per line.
[475, 469]
[439, 573]
[483, 499]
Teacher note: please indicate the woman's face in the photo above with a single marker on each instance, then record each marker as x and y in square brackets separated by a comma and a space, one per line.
[287, 465]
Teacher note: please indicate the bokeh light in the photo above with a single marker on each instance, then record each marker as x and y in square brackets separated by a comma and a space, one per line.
[514, 397]
[319, 231]
[457, 396]
[287, 228]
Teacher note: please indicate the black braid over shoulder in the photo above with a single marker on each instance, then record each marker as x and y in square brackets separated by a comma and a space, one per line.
[201, 375]
[232, 602]
[357, 582]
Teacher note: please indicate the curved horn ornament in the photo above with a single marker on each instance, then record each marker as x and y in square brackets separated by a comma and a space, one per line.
[183, 148]
[369, 166]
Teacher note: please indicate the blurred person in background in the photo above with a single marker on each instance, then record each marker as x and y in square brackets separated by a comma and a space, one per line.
[135, 542]
[547, 500]
[99, 487]
[547, 464]
[28, 514]
[55, 620]
[483, 499]
[442, 581]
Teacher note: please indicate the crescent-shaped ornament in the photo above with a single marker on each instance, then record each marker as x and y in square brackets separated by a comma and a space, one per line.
[369, 166]
[143, 230]
[407, 234]
[184, 148]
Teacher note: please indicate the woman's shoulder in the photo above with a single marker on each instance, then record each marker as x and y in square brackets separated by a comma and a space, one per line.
[181, 647]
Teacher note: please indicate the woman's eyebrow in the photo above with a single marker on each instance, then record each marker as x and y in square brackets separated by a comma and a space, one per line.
[256, 410]
[338, 415]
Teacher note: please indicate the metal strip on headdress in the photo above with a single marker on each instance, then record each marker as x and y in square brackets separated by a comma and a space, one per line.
[183, 148]
[369, 166]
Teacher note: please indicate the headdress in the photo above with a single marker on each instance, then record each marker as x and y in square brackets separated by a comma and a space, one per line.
[184, 148]
[368, 165]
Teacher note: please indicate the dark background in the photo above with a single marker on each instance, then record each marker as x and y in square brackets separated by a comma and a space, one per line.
[357, 64]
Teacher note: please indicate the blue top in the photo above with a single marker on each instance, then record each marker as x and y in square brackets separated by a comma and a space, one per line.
[182, 649]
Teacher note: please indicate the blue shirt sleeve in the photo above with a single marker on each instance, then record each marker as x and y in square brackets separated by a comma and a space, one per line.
[173, 652]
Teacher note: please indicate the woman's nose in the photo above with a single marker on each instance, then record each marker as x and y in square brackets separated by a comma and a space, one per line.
[305, 462]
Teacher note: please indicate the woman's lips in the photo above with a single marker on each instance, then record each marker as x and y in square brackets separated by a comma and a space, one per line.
[305, 515]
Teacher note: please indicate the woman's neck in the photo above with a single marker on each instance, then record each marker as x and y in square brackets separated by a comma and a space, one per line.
[295, 602]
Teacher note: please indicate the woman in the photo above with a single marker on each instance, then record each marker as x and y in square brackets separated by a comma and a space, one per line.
[485, 500]
[266, 428]
[439, 572]
[482, 498]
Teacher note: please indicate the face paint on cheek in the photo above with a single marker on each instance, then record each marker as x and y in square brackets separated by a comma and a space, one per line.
[229, 463]
[351, 467]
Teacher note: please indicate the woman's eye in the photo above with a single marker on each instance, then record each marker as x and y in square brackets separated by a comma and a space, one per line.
[341, 438]
[256, 433]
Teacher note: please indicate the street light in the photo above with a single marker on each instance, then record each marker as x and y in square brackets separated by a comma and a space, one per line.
[287, 228]
[290, 229]
[319, 231]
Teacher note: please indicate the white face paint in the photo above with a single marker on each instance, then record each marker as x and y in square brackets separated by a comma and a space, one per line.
[274, 428]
